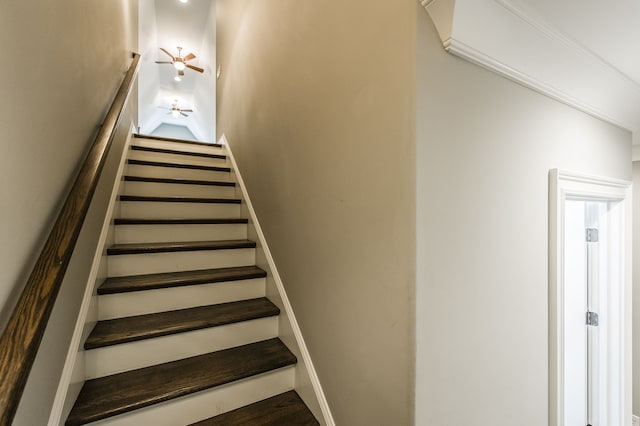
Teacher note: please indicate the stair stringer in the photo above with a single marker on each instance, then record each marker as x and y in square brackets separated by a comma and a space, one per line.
[73, 373]
[307, 383]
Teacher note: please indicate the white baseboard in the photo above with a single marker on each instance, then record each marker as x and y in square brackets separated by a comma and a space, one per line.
[264, 247]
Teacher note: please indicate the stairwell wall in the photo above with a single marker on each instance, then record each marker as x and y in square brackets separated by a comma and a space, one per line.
[485, 146]
[330, 171]
[70, 57]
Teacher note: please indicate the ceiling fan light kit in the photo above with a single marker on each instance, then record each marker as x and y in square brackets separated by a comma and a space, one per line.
[180, 64]
[176, 112]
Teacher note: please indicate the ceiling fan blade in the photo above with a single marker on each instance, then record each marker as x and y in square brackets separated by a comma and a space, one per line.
[167, 52]
[182, 113]
[181, 72]
[164, 107]
[195, 68]
[189, 57]
[186, 110]
[164, 62]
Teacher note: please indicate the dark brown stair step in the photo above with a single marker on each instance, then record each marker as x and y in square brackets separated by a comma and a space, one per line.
[284, 409]
[130, 283]
[180, 199]
[140, 327]
[178, 181]
[143, 248]
[120, 393]
[181, 221]
[161, 138]
[177, 152]
[178, 165]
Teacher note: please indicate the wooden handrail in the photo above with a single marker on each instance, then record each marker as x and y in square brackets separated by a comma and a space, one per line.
[21, 338]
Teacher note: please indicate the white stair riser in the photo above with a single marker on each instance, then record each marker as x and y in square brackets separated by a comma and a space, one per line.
[178, 190]
[175, 172]
[177, 146]
[165, 233]
[151, 263]
[163, 210]
[168, 299]
[208, 403]
[176, 158]
[129, 356]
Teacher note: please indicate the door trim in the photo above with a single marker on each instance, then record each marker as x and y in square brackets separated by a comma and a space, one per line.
[565, 185]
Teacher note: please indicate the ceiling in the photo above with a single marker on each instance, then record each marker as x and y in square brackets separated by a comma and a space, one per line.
[169, 24]
[611, 29]
[584, 53]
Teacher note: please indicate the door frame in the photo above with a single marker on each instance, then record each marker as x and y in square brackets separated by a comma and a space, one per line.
[565, 185]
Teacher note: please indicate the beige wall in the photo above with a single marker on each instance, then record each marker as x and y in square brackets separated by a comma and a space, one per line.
[484, 149]
[316, 99]
[70, 58]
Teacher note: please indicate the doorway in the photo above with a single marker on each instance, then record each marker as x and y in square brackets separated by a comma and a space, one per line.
[590, 301]
[172, 102]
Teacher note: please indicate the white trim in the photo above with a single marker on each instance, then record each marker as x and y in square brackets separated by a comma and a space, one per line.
[565, 185]
[317, 387]
[471, 54]
[485, 32]
[55, 418]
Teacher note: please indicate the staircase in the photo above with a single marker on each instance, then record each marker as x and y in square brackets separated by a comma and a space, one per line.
[185, 333]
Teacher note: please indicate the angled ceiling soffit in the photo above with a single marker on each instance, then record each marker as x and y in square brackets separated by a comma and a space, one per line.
[510, 39]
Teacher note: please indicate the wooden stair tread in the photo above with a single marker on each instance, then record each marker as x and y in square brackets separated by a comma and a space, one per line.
[140, 248]
[180, 199]
[111, 395]
[162, 138]
[177, 152]
[177, 181]
[180, 221]
[284, 409]
[139, 327]
[178, 165]
[177, 279]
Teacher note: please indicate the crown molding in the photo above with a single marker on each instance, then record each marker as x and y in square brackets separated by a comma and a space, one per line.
[489, 33]
[467, 52]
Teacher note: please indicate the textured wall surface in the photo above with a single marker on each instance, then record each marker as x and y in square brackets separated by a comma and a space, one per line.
[317, 101]
[485, 146]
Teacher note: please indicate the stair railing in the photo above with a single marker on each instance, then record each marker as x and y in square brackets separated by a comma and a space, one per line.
[21, 338]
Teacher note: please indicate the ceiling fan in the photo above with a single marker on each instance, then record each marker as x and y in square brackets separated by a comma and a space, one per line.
[180, 63]
[177, 112]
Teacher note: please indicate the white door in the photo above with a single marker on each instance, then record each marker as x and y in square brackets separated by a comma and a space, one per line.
[585, 306]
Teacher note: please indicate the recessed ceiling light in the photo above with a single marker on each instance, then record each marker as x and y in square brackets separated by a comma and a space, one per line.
[184, 1]
[177, 78]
